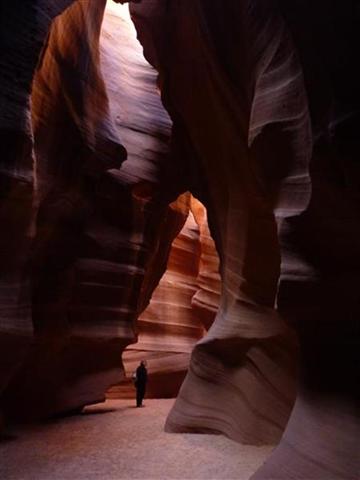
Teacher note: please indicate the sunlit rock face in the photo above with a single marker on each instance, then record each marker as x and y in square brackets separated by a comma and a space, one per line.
[248, 349]
[205, 302]
[269, 118]
[182, 307]
[100, 236]
[264, 101]
[74, 146]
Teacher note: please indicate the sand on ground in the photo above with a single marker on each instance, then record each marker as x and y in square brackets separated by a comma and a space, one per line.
[116, 441]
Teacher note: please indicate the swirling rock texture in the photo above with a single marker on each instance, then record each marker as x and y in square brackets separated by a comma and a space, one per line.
[264, 102]
[205, 302]
[24, 28]
[248, 343]
[260, 92]
[183, 305]
[168, 328]
[97, 238]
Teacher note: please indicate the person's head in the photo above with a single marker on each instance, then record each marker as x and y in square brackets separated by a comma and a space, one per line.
[143, 363]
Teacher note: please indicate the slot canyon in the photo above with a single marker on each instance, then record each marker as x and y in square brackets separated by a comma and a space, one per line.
[180, 183]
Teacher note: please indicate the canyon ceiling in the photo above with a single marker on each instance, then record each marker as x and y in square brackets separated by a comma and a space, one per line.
[258, 120]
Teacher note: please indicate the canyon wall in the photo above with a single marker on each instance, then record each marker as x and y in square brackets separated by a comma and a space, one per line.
[248, 343]
[181, 309]
[87, 243]
[263, 103]
[262, 127]
[24, 28]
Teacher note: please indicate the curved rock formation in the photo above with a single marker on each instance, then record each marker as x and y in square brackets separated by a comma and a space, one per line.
[232, 78]
[264, 105]
[183, 305]
[248, 343]
[101, 236]
[75, 145]
[24, 27]
[318, 288]
[205, 302]
[169, 327]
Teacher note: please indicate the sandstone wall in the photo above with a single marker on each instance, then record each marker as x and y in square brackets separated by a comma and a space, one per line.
[261, 99]
[248, 341]
[181, 309]
[24, 28]
[95, 240]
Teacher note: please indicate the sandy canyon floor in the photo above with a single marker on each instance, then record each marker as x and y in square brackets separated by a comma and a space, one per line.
[114, 441]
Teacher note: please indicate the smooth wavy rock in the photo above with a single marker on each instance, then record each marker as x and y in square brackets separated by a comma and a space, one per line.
[101, 235]
[24, 27]
[321, 261]
[184, 303]
[169, 328]
[262, 127]
[205, 302]
[74, 144]
[246, 80]
[241, 378]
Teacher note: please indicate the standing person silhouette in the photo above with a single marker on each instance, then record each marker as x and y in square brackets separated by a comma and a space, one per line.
[140, 383]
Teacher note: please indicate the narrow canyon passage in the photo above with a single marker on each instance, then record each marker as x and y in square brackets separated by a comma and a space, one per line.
[179, 183]
[181, 310]
[115, 441]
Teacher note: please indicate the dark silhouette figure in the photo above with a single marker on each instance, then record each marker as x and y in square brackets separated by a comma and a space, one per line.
[140, 383]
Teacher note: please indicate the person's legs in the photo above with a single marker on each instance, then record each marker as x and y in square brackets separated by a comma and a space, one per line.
[138, 396]
[143, 393]
[140, 393]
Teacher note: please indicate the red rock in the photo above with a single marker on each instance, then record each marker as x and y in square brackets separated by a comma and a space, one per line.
[184, 302]
[246, 81]
[263, 100]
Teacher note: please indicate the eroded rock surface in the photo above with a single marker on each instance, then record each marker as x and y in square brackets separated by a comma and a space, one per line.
[100, 236]
[24, 27]
[181, 309]
[248, 341]
[262, 102]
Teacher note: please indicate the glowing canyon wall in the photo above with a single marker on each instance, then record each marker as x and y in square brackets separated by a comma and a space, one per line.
[259, 121]
[181, 310]
[263, 101]
[85, 243]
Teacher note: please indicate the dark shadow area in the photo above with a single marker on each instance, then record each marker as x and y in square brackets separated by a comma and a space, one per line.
[7, 438]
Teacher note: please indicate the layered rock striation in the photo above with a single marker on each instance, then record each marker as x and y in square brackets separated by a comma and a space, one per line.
[262, 124]
[181, 309]
[248, 349]
[266, 115]
[97, 238]
[24, 28]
